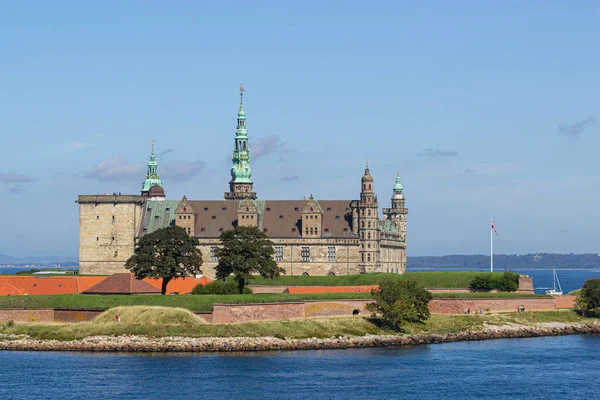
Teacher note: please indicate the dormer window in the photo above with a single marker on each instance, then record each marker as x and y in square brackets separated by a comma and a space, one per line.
[268, 208]
[311, 209]
[202, 229]
[328, 208]
[337, 217]
[281, 217]
[266, 230]
[293, 229]
[205, 208]
[295, 208]
[213, 217]
[184, 209]
[224, 209]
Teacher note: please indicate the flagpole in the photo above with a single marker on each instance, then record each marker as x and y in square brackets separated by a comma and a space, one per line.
[491, 245]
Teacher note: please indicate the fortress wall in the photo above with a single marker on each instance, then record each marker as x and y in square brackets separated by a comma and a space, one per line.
[458, 306]
[75, 315]
[27, 315]
[232, 313]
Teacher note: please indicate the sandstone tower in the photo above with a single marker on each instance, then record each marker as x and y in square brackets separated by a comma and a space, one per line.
[240, 185]
[368, 216]
[109, 225]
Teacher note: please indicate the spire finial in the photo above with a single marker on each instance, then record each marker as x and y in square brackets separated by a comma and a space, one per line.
[153, 141]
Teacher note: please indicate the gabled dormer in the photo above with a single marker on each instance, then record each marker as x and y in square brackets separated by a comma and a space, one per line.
[247, 213]
[185, 216]
[312, 219]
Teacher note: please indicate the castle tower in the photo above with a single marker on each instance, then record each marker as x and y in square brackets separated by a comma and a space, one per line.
[397, 214]
[312, 217]
[152, 178]
[185, 216]
[240, 185]
[368, 218]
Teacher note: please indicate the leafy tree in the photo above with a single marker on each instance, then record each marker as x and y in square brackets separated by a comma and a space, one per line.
[508, 282]
[246, 251]
[588, 298]
[166, 253]
[400, 301]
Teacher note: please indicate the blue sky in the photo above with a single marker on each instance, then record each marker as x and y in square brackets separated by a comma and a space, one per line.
[487, 109]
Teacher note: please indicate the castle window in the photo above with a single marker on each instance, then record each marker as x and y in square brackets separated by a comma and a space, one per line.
[316, 230]
[243, 217]
[266, 230]
[213, 254]
[112, 238]
[247, 208]
[97, 217]
[205, 208]
[307, 230]
[116, 253]
[213, 217]
[220, 229]
[224, 209]
[156, 217]
[305, 254]
[362, 257]
[97, 238]
[311, 209]
[369, 224]
[368, 235]
[113, 217]
[328, 208]
[337, 217]
[362, 224]
[184, 209]
[202, 229]
[311, 230]
[189, 230]
[305, 274]
[369, 246]
[278, 253]
[369, 212]
[295, 208]
[252, 217]
[167, 209]
[326, 230]
[331, 254]
[369, 186]
[281, 217]
[311, 217]
[180, 217]
[369, 257]
[268, 208]
[293, 229]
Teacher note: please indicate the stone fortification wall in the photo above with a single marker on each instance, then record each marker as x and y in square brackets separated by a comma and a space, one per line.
[458, 306]
[75, 315]
[230, 313]
[27, 315]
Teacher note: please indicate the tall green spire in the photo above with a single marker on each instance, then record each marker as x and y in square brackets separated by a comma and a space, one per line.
[241, 171]
[152, 174]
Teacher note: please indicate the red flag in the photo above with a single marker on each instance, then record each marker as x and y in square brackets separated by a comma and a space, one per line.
[494, 228]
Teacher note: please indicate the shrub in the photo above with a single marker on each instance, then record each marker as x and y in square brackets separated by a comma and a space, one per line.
[10, 323]
[220, 287]
[400, 302]
[508, 282]
[588, 299]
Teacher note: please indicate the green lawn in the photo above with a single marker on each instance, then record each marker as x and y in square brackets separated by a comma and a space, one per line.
[459, 279]
[197, 303]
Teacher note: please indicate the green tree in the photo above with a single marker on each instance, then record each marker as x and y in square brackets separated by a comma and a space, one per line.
[246, 251]
[166, 253]
[400, 301]
[588, 298]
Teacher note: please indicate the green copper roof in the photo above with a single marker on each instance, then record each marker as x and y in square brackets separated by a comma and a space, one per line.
[241, 171]
[398, 185]
[158, 214]
[152, 174]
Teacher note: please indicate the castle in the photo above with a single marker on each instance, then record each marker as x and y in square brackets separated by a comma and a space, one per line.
[310, 236]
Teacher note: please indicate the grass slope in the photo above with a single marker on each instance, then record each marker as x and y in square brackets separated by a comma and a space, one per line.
[458, 279]
[321, 328]
[197, 303]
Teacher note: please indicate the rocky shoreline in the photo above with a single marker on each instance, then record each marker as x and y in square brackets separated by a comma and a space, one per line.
[231, 344]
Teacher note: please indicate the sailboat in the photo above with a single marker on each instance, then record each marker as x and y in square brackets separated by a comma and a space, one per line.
[555, 282]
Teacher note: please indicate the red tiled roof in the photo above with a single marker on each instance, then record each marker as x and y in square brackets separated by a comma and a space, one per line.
[122, 284]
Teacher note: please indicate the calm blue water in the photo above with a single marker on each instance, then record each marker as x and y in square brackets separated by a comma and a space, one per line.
[537, 368]
[570, 279]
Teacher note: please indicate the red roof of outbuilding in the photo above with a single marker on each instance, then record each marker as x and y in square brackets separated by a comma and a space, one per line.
[122, 284]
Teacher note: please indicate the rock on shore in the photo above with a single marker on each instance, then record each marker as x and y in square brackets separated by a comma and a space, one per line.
[229, 344]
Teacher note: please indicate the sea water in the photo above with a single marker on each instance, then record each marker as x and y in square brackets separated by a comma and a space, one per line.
[535, 368]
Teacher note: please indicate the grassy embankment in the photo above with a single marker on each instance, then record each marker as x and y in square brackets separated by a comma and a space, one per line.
[197, 303]
[458, 279]
[161, 322]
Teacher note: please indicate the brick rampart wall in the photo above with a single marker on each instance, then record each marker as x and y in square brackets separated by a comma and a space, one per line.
[27, 315]
[335, 308]
[458, 306]
[231, 313]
